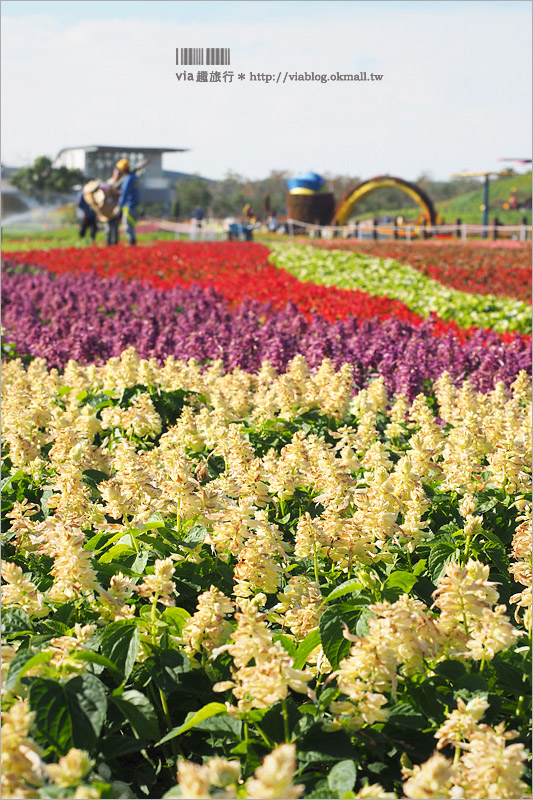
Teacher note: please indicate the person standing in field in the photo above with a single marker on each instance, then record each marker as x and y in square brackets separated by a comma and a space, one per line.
[129, 198]
[102, 198]
[112, 196]
[86, 217]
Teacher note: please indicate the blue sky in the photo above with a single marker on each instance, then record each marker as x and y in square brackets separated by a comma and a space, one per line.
[455, 93]
[81, 9]
[67, 12]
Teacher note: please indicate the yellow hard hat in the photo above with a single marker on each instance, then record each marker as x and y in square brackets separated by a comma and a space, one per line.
[123, 164]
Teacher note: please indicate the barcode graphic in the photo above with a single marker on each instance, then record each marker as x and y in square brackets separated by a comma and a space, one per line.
[194, 56]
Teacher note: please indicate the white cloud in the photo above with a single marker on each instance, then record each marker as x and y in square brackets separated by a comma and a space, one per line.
[456, 89]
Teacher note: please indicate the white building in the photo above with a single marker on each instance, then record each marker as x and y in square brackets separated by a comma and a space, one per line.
[97, 161]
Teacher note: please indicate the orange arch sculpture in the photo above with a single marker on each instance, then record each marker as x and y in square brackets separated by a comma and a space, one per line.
[362, 189]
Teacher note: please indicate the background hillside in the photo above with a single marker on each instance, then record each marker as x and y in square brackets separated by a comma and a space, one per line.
[466, 204]
[454, 198]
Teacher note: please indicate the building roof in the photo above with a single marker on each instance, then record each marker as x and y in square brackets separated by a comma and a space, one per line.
[119, 148]
[173, 175]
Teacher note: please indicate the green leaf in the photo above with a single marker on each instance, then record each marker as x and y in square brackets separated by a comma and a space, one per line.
[473, 682]
[70, 714]
[450, 669]
[94, 476]
[352, 585]
[315, 746]
[306, 647]
[321, 792]
[139, 712]
[195, 536]
[122, 745]
[107, 544]
[65, 613]
[272, 723]
[511, 677]
[121, 644]
[176, 618]
[405, 716]
[439, 555]
[17, 476]
[209, 710]
[342, 777]
[15, 621]
[45, 496]
[487, 505]
[361, 629]
[335, 646]
[23, 661]
[287, 643]
[400, 579]
[174, 793]
[226, 727]
[118, 552]
[420, 566]
[167, 667]
[139, 565]
[97, 658]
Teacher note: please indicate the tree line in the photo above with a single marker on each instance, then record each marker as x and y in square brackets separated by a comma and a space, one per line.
[45, 182]
[228, 196]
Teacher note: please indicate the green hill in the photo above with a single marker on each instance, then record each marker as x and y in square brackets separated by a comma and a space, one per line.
[467, 206]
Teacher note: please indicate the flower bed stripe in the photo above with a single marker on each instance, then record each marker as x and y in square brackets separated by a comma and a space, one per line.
[238, 271]
[262, 585]
[91, 319]
[384, 277]
[473, 268]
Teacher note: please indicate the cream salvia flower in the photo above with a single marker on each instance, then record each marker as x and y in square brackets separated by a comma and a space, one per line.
[70, 768]
[19, 591]
[159, 586]
[73, 571]
[432, 780]
[63, 647]
[274, 778]
[493, 634]
[487, 766]
[197, 781]
[374, 791]
[490, 767]
[463, 594]
[461, 724]
[300, 606]
[193, 780]
[208, 629]
[22, 769]
[265, 681]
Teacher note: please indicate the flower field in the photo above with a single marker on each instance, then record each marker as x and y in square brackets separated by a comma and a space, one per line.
[482, 269]
[421, 294]
[262, 537]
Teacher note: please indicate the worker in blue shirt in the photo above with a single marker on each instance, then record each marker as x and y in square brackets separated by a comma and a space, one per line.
[129, 198]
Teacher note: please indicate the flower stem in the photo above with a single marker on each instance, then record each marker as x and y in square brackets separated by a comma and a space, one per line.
[467, 547]
[262, 735]
[152, 618]
[134, 540]
[174, 744]
[285, 720]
